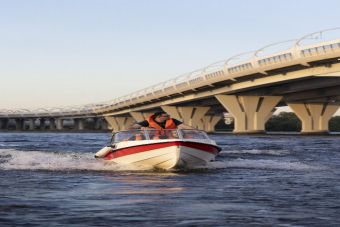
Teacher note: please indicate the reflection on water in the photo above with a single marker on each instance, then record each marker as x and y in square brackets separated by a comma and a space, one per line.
[150, 191]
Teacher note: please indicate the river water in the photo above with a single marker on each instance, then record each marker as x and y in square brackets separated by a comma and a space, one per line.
[52, 179]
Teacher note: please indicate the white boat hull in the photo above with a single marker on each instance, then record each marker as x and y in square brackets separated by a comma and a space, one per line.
[165, 155]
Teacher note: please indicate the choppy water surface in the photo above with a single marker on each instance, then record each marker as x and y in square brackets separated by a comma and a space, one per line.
[52, 179]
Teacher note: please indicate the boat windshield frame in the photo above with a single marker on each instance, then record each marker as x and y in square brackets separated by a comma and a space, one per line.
[143, 134]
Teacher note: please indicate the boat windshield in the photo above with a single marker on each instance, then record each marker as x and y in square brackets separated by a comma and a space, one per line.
[159, 134]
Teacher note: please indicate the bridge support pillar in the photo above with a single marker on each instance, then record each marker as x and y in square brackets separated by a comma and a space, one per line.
[31, 123]
[188, 115]
[42, 123]
[112, 121]
[104, 124]
[81, 124]
[210, 122]
[250, 112]
[4, 124]
[119, 123]
[172, 110]
[75, 123]
[20, 124]
[96, 123]
[200, 124]
[314, 117]
[52, 124]
[140, 116]
[78, 124]
[60, 124]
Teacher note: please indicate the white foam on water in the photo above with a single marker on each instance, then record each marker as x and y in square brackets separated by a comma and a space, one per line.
[258, 152]
[262, 164]
[58, 161]
[72, 161]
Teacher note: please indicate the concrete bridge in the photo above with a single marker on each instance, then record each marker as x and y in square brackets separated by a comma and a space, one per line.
[306, 78]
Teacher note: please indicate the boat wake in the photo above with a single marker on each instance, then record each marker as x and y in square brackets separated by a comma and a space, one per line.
[258, 152]
[75, 161]
[263, 164]
[58, 161]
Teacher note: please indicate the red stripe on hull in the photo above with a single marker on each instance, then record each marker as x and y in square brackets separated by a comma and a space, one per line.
[147, 147]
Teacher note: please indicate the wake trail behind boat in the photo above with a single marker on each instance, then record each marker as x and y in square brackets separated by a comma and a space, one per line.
[58, 161]
[73, 161]
[258, 152]
[263, 164]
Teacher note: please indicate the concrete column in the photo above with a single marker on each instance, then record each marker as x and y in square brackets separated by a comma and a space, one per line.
[75, 123]
[210, 122]
[185, 113]
[188, 115]
[172, 110]
[141, 116]
[120, 123]
[200, 124]
[104, 124]
[138, 116]
[250, 112]
[192, 115]
[124, 122]
[81, 124]
[20, 124]
[146, 115]
[96, 122]
[52, 123]
[31, 123]
[314, 117]
[42, 123]
[112, 121]
[4, 124]
[78, 124]
[60, 124]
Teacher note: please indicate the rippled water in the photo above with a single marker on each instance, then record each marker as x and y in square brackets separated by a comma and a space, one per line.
[52, 179]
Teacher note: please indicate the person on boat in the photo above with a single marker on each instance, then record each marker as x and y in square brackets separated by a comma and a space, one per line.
[140, 135]
[173, 135]
[151, 132]
[161, 120]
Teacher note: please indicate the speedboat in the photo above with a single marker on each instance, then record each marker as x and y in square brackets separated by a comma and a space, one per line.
[166, 148]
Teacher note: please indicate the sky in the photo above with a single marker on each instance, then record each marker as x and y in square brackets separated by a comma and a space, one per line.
[56, 53]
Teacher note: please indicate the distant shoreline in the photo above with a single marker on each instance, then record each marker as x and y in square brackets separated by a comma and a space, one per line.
[55, 131]
[213, 133]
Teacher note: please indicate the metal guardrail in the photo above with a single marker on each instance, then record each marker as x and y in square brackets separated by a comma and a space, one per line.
[215, 72]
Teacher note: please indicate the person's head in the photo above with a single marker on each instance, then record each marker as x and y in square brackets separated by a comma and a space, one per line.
[161, 116]
[151, 131]
[173, 134]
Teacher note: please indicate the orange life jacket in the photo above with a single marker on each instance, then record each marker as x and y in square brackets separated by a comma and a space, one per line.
[138, 137]
[169, 124]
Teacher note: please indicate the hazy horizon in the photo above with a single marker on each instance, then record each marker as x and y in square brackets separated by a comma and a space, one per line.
[62, 53]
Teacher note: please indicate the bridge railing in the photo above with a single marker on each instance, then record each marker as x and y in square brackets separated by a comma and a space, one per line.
[207, 76]
[257, 64]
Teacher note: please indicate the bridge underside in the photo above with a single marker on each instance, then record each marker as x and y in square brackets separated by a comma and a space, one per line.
[307, 90]
[312, 91]
[318, 86]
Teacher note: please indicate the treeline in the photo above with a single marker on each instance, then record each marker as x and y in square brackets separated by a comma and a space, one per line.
[284, 121]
